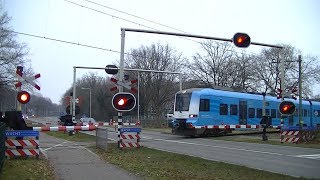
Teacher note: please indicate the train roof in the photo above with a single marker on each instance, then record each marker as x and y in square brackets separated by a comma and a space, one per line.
[217, 92]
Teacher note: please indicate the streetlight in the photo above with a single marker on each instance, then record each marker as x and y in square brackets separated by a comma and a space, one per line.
[89, 98]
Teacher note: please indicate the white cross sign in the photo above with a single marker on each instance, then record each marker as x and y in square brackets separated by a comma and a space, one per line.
[28, 79]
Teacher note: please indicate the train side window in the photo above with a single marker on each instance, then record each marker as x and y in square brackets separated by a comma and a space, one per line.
[273, 113]
[204, 105]
[233, 109]
[251, 112]
[267, 112]
[305, 113]
[278, 114]
[259, 113]
[223, 109]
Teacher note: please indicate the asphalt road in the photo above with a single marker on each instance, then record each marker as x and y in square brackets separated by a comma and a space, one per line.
[293, 161]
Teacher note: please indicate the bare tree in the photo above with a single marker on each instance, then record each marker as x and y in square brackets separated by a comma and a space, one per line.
[220, 66]
[100, 96]
[156, 89]
[12, 53]
[267, 70]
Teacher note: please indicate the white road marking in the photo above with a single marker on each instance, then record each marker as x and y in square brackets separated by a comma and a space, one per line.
[310, 156]
[313, 156]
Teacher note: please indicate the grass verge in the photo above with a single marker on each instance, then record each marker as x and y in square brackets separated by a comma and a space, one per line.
[154, 164]
[27, 168]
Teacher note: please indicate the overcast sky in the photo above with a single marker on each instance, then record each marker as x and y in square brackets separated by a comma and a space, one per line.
[294, 22]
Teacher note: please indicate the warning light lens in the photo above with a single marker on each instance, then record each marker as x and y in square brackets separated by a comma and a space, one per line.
[23, 97]
[121, 102]
[241, 40]
[287, 108]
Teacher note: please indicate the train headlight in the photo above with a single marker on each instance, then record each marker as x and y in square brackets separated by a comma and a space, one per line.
[193, 115]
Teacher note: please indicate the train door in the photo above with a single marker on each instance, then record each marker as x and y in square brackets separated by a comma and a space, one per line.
[243, 112]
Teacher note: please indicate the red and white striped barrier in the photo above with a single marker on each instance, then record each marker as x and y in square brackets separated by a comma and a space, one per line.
[129, 144]
[65, 128]
[107, 124]
[233, 127]
[30, 142]
[289, 136]
[22, 152]
[134, 140]
[130, 136]
[28, 147]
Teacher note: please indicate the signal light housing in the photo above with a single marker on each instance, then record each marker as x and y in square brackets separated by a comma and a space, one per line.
[123, 101]
[23, 97]
[241, 40]
[287, 108]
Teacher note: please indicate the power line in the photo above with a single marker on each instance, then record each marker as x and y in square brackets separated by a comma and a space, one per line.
[61, 41]
[109, 14]
[151, 21]
[123, 19]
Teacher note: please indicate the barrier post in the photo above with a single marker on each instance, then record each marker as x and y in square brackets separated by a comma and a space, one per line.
[21, 146]
[134, 139]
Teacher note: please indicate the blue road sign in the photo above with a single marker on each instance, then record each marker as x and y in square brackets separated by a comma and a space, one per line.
[21, 133]
[130, 130]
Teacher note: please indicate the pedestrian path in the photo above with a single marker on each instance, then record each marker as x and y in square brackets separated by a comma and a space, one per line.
[74, 161]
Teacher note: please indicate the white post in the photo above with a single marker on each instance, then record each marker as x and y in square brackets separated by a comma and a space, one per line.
[121, 80]
[90, 102]
[74, 96]
[139, 97]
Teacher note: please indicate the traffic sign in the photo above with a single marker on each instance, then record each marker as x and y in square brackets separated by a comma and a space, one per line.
[126, 85]
[130, 130]
[110, 69]
[21, 133]
[28, 79]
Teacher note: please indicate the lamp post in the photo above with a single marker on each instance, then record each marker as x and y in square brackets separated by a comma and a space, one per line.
[89, 99]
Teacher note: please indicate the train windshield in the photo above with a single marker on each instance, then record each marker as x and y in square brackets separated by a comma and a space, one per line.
[182, 102]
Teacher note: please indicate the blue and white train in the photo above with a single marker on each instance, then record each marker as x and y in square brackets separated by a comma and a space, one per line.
[200, 111]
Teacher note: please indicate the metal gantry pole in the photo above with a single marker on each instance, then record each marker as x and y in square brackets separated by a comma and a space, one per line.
[300, 92]
[281, 85]
[121, 74]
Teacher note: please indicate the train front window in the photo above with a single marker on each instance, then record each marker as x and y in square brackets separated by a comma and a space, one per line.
[183, 102]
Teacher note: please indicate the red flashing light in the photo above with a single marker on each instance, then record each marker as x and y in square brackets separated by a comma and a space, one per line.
[241, 40]
[23, 97]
